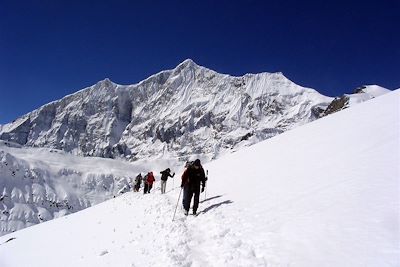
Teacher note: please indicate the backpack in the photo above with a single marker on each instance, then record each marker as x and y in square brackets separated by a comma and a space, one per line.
[189, 164]
[150, 178]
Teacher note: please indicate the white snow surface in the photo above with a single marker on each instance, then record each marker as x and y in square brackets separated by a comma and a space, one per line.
[323, 194]
[375, 90]
[367, 92]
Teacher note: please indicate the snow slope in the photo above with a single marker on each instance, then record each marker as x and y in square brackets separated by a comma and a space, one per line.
[324, 194]
[361, 94]
[374, 90]
[365, 93]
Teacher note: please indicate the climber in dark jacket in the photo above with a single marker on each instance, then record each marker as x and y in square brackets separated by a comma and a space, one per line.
[164, 177]
[192, 178]
[138, 181]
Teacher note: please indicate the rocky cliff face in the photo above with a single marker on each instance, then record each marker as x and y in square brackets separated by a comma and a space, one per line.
[183, 112]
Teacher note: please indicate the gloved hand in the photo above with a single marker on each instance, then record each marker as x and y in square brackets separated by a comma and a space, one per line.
[202, 189]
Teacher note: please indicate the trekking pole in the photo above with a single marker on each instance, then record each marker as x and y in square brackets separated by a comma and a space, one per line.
[205, 191]
[177, 203]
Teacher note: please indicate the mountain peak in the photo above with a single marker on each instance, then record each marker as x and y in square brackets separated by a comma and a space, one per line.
[104, 83]
[373, 90]
[187, 64]
[106, 80]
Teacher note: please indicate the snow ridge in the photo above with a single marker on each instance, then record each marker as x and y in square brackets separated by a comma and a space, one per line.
[182, 112]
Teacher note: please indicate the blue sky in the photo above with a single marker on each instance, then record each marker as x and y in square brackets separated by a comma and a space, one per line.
[49, 49]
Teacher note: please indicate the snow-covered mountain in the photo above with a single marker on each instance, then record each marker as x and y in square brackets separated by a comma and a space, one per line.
[360, 95]
[172, 116]
[312, 196]
[187, 111]
[40, 184]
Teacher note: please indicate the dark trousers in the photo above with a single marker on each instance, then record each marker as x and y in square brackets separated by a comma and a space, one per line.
[147, 188]
[137, 186]
[188, 193]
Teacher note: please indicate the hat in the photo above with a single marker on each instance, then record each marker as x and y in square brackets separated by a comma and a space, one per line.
[196, 162]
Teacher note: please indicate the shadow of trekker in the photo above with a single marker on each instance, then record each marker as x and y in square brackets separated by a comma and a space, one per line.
[210, 198]
[176, 187]
[216, 205]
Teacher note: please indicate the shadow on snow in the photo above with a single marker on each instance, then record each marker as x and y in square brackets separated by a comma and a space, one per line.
[210, 198]
[216, 205]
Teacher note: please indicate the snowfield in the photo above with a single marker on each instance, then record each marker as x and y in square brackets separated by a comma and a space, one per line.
[39, 184]
[367, 92]
[323, 194]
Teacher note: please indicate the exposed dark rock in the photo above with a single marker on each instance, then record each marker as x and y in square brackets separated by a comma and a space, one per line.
[336, 105]
[359, 90]
[246, 136]
[317, 112]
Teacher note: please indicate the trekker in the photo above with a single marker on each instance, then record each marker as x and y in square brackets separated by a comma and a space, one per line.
[191, 179]
[148, 182]
[164, 177]
[145, 184]
[138, 181]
